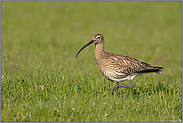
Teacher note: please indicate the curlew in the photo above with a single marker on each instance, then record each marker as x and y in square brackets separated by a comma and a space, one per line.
[118, 67]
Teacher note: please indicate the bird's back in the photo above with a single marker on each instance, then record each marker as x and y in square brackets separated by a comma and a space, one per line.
[118, 66]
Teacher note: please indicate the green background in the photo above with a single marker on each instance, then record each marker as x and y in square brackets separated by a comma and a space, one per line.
[42, 80]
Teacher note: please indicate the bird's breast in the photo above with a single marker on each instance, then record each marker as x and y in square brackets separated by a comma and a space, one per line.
[110, 71]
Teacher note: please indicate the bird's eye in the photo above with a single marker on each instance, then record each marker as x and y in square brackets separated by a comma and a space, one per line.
[98, 37]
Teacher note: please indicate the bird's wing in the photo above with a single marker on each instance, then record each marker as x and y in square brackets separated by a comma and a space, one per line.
[127, 65]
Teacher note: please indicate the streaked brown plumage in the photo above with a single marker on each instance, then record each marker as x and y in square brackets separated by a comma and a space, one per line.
[117, 67]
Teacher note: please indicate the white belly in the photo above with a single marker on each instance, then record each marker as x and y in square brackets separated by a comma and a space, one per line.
[119, 77]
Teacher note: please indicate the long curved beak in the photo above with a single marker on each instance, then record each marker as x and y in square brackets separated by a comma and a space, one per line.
[85, 46]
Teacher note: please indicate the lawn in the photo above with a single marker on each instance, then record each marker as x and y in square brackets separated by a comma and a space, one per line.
[42, 80]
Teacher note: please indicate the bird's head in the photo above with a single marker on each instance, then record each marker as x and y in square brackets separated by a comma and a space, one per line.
[96, 39]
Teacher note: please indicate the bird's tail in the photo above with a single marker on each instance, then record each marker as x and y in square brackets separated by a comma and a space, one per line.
[151, 69]
[157, 69]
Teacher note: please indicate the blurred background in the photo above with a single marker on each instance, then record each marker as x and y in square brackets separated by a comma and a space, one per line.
[42, 80]
[53, 32]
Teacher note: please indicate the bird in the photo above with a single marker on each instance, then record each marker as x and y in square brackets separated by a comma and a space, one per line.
[118, 67]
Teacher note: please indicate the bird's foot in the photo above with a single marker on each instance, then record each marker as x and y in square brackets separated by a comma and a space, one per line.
[115, 88]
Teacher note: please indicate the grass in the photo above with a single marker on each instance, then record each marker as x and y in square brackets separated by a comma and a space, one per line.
[41, 80]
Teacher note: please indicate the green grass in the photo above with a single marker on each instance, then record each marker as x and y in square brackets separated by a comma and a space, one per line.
[39, 43]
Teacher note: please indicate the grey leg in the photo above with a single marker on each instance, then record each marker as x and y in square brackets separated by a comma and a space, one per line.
[122, 86]
[133, 85]
[115, 88]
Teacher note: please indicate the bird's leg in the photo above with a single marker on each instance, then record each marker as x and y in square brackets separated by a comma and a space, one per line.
[115, 88]
[133, 85]
[119, 91]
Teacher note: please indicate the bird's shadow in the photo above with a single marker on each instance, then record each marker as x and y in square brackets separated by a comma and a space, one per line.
[147, 90]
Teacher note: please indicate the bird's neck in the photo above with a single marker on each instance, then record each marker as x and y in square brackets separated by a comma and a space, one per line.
[99, 50]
